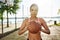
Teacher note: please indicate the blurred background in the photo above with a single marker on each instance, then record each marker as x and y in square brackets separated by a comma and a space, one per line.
[13, 12]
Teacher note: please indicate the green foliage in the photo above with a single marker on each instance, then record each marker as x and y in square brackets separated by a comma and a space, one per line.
[2, 9]
[58, 24]
[17, 1]
[10, 9]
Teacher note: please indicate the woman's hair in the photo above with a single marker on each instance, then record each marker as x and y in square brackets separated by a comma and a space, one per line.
[33, 5]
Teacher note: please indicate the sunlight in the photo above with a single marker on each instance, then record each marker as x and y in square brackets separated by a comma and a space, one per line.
[47, 8]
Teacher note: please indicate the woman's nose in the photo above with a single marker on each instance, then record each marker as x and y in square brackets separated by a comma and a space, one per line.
[34, 11]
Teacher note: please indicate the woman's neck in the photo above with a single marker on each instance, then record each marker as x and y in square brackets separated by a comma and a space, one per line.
[33, 18]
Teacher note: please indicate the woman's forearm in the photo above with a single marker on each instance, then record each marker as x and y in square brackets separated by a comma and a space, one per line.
[22, 31]
[45, 31]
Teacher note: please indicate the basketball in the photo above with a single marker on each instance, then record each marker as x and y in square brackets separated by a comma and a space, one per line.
[34, 27]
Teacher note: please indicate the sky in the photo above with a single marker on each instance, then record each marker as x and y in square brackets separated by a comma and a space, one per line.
[47, 8]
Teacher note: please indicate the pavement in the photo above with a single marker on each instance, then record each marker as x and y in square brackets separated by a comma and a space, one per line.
[55, 35]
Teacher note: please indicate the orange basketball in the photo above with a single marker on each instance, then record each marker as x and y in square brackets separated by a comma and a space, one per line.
[34, 27]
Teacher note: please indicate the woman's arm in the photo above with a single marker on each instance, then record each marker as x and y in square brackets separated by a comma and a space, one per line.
[23, 27]
[46, 29]
[22, 31]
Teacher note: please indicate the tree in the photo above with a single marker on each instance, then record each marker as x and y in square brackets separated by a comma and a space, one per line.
[9, 8]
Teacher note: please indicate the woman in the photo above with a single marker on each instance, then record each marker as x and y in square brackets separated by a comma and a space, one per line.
[24, 26]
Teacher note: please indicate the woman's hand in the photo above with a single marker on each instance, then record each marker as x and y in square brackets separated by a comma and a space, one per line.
[45, 31]
[22, 31]
[23, 27]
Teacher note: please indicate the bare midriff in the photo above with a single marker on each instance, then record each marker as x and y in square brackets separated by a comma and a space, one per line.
[35, 36]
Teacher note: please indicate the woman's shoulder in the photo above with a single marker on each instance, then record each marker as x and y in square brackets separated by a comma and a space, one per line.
[41, 19]
[26, 19]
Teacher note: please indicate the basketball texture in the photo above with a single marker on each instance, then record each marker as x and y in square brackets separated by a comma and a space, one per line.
[34, 27]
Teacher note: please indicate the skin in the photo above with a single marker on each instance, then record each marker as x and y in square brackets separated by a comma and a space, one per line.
[23, 28]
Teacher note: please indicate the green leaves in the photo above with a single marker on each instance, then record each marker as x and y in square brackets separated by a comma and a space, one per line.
[2, 9]
[15, 7]
[10, 9]
[16, 1]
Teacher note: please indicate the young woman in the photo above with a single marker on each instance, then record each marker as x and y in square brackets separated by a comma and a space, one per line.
[24, 26]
